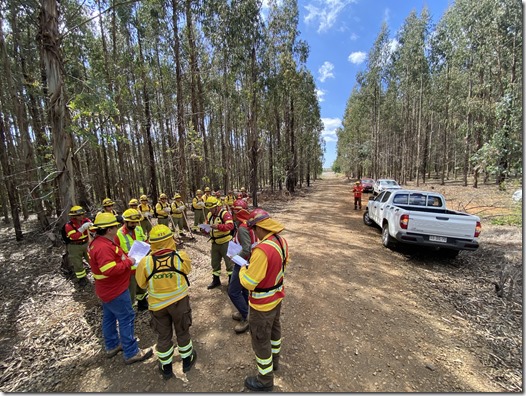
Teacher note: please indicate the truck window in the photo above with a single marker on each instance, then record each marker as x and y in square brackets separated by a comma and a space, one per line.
[386, 196]
[434, 201]
[417, 199]
[400, 199]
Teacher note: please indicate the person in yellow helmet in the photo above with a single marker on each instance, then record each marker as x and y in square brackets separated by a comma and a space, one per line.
[198, 207]
[178, 213]
[130, 232]
[206, 195]
[229, 200]
[76, 232]
[222, 227]
[146, 210]
[108, 206]
[164, 274]
[163, 210]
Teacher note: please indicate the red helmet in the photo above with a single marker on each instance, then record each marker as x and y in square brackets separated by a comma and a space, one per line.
[239, 204]
[256, 216]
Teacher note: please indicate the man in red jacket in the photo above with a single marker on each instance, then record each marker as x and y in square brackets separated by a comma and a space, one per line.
[111, 268]
[357, 190]
[77, 241]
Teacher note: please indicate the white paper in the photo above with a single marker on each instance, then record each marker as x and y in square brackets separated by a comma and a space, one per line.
[139, 250]
[240, 261]
[233, 249]
[205, 227]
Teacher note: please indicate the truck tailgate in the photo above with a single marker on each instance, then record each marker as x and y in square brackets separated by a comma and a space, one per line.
[452, 225]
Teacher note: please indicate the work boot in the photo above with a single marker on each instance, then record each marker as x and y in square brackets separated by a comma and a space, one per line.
[253, 384]
[142, 305]
[241, 327]
[237, 316]
[83, 281]
[143, 354]
[112, 352]
[166, 370]
[189, 361]
[215, 282]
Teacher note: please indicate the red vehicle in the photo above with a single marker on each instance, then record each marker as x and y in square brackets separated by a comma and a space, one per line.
[367, 184]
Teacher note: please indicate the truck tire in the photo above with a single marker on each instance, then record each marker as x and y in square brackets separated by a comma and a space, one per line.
[387, 240]
[367, 220]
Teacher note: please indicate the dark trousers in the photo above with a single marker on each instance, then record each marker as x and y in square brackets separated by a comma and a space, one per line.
[237, 293]
[176, 316]
[265, 331]
[357, 202]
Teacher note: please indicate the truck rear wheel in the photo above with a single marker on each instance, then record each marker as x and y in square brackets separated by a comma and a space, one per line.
[387, 239]
[367, 220]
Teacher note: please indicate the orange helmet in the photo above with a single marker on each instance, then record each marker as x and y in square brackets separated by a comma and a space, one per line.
[256, 216]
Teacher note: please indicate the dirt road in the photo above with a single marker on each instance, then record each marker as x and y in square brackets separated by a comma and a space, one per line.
[356, 318]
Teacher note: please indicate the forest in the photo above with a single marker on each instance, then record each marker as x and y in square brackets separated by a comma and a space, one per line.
[440, 101]
[122, 98]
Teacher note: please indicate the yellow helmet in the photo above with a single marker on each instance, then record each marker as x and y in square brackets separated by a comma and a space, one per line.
[132, 215]
[199, 192]
[133, 202]
[163, 196]
[211, 202]
[177, 195]
[160, 233]
[107, 202]
[207, 189]
[105, 220]
[243, 189]
[76, 210]
[143, 198]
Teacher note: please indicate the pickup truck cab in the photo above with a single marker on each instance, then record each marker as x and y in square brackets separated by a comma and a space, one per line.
[421, 218]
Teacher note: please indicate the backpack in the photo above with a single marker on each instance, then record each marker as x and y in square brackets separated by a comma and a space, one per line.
[64, 234]
[166, 268]
[155, 211]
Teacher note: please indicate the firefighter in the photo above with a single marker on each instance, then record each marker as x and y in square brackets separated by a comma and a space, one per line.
[229, 200]
[198, 207]
[164, 273]
[163, 210]
[108, 207]
[76, 230]
[221, 224]
[206, 195]
[247, 239]
[264, 280]
[217, 194]
[178, 213]
[130, 232]
[111, 268]
[147, 212]
[357, 190]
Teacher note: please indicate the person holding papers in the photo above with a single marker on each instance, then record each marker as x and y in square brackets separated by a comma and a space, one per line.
[264, 279]
[164, 273]
[130, 232]
[247, 239]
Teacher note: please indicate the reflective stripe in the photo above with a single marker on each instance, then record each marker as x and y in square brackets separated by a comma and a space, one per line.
[71, 232]
[186, 350]
[166, 357]
[264, 365]
[264, 362]
[216, 273]
[100, 276]
[276, 346]
[249, 279]
[259, 295]
[106, 267]
[80, 274]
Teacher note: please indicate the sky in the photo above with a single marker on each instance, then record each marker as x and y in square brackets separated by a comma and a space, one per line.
[340, 34]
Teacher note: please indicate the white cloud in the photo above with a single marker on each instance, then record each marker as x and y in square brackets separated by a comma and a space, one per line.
[329, 129]
[354, 36]
[357, 57]
[320, 93]
[325, 71]
[325, 12]
[387, 14]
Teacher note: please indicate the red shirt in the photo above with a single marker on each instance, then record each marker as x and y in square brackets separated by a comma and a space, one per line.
[111, 268]
[73, 233]
[357, 190]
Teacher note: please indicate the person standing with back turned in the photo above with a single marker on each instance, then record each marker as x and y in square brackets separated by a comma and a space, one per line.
[263, 278]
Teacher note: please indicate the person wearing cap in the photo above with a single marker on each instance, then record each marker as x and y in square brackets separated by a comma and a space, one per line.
[244, 194]
[198, 207]
[229, 200]
[111, 268]
[76, 230]
[164, 273]
[146, 211]
[206, 195]
[245, 237]
[357, 191]
[130, 232]
[178, 213]
[217, 194]
[263, 278]
[163, 210]
[108, 207]
[222, 227]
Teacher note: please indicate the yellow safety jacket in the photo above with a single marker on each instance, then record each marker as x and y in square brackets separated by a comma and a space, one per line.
[175, 212]
[126, 239]
[224, 217]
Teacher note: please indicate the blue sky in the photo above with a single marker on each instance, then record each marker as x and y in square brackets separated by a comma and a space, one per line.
[340, 34]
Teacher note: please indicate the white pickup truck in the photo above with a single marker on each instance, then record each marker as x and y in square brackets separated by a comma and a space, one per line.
[421, 218]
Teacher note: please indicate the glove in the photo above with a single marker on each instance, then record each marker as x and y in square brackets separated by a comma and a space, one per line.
[201, 204]
[181, 208]
[85, 226]
[167, 209]
[146, 214]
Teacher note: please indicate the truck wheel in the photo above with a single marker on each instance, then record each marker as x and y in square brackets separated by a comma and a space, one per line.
[367, 220]
[387, 239]
[450, 253]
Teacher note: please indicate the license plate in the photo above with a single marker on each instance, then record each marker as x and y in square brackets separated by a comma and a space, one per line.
[437, 238]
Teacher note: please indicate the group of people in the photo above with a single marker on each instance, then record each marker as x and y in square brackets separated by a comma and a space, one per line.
[159, 282]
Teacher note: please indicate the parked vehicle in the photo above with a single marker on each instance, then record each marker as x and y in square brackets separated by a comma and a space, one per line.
[421, 218]
[367, 184]
[384, 184]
